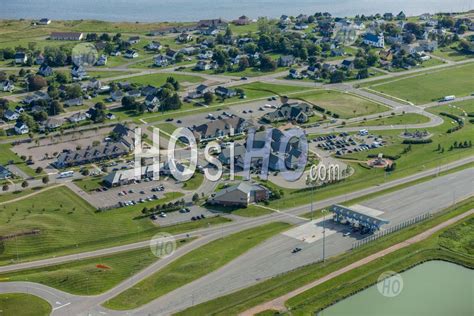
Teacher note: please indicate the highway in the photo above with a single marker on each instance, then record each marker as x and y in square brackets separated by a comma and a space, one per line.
[265, 260]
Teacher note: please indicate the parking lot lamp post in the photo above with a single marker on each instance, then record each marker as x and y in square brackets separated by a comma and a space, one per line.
[324, 234]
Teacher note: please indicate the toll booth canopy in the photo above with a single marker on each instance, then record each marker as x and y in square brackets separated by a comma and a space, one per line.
[371, 222]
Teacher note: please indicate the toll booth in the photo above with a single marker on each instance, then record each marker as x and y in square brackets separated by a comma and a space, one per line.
[356, 217]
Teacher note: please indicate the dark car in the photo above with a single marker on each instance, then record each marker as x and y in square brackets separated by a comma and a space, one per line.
[297, 249]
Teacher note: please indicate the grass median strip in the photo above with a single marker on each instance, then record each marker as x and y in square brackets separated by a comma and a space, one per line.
[89, 276]
[194, 265]
[244, 299]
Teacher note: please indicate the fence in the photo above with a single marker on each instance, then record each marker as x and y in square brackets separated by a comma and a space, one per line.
[392, 229]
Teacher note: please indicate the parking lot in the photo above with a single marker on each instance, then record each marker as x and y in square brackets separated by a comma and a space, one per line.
[195, 213]
[344, 143]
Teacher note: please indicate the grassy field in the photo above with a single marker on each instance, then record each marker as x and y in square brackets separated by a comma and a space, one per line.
[344, 104]
[194, 265]
[89, 184]
[402, 119]
[241, 300]
[160, 78]
[430, 86]
[89, 276]
[8, 155]
[20, 304]
[451, 53]
[60, 215]
[452, 244]
[194, 183]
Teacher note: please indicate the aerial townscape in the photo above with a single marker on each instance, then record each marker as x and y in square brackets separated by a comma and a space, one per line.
[307, 164]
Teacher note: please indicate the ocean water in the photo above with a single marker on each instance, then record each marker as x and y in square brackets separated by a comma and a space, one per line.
[193, 10]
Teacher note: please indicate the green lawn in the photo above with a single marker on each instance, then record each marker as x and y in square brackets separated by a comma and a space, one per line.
[160, 79]
[239, 301]
[194, 265]
[89, 184]
[59, 214]
[402, 119]
[451, 53]
[19, 304]
[89, 276]
[194, 183]
[8, 155]
[428, 87]
[345, 104]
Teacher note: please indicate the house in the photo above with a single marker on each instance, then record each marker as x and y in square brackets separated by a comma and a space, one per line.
[302, 18]
[134, 93]
[154, 46]
[73, 102]
[20, 58]
[19, 109]
[44, 21]
[152, 102]
[219, 23]
[173, 165]
[347, 64]
[297, 112]
[102, 61]
[225, 92]
[240, 195]
[171, 54]
[4, 173]
[338, 52]
[116, 53]
[21, 128]
[133, 40]
[10, 115]
[52, 123]
[239, 154]
[401, 16]
[301, 26]
[286, 61]
[374, 40]
[38, 95]
[285, 20]
[203, 65]
[386, 55]
[78, 72]
[219, 128]
[206, 55]
[358, 25]
[8, 86]
[184, 37]
[294, 74]
[130, 53]
[128, 176]
[77, 117]
[210, 31]
[149, 90]
[45, 70]
[161, 61]
[67, 36]
[190, 50]
[110, 116]
[388, 16]
[201, 89]
[39, 60]
[243, 20]
[429, 46]
[116, 95]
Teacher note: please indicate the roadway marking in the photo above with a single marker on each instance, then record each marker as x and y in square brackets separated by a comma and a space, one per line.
[56, 308]
[278, 211]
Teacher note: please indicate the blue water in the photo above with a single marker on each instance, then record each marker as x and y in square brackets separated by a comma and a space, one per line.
[192, 10]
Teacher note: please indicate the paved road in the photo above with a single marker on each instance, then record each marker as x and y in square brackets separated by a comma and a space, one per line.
[275, 246]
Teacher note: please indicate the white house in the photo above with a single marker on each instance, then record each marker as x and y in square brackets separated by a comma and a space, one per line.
[21, 128]
[161, 61]
[130, 53]
[8, 86]
[374, 40]
[11, 115]
[78, 72]
[154, 46]
[102, 61]
[44, 21]
[21, 58]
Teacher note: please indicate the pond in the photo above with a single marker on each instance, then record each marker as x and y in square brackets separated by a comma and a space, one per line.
[432, 288]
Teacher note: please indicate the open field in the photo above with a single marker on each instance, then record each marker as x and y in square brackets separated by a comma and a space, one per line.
[58, 215]
[89, 276]
[8, 155]
[451, 53]
[403, 119]
[20, 304]
[429, 86]
[160, 79]
[344, 104]
[193, 265]
[264, 291]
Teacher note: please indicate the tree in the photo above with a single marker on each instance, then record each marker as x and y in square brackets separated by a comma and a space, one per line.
[55, 108]
[337, 76]
[173, 82]
[36, 83]
[24, 184]
[5, 187]
[267, 63]
[45, 179]
[39, 170]
[61, 77]
[208, 97]
[243, 63]
[128, 103]
[195, 197]
[74, 91]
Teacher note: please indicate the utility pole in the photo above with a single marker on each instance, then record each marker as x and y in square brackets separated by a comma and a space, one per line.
[324, 235]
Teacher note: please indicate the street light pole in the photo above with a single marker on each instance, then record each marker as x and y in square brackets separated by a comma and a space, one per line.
[324, 235]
